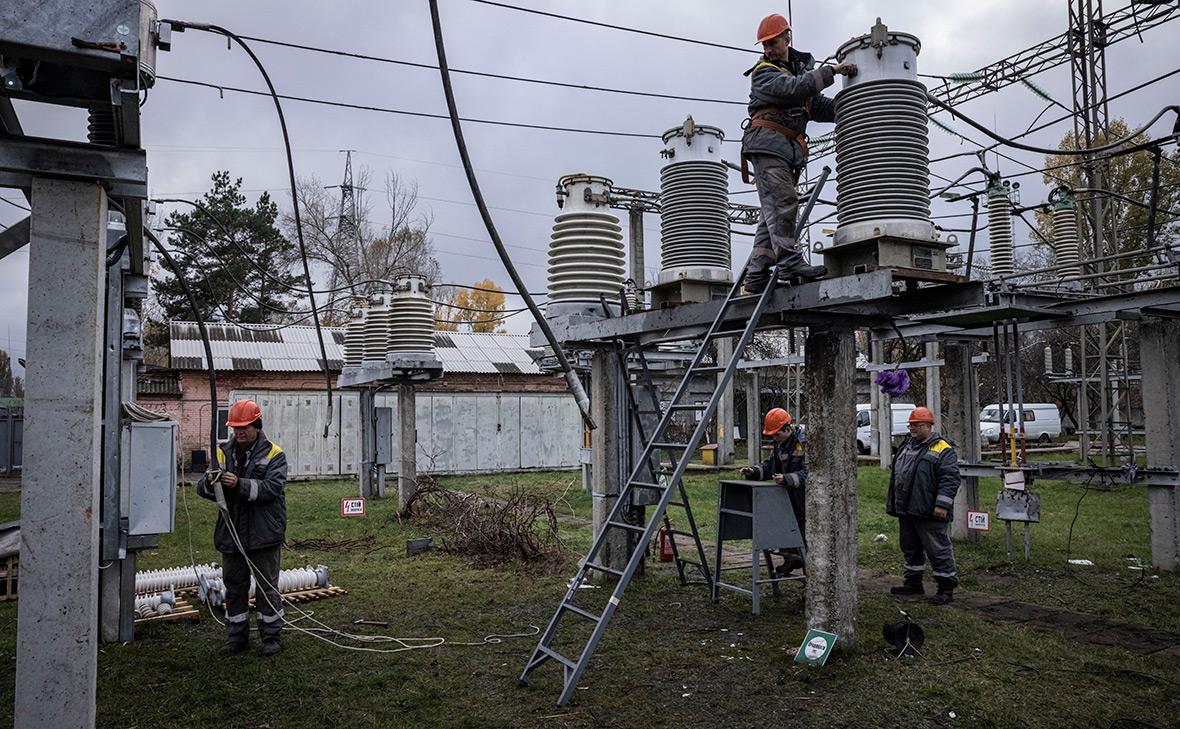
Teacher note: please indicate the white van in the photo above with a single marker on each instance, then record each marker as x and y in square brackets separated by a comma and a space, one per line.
[864, 423]
[1042, 421]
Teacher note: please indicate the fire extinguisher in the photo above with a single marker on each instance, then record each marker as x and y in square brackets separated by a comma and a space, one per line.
[666, 554]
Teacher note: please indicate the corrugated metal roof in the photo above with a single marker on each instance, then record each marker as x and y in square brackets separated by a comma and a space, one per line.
[296, 349]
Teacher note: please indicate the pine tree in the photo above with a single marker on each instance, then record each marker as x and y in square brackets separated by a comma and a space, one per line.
[223, 271]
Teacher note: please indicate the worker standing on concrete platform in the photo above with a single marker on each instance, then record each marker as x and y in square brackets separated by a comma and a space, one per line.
[253, 473]
[785, 88]
[922, 496]
[787, 465]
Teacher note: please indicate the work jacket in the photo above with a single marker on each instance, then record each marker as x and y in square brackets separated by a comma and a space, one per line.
[789, 459]
[934, 480]
[787, 93]
[257, 505]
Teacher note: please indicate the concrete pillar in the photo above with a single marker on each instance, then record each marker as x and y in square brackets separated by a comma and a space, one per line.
[753, 417]
[960, 423]
[57, 619]
[881, 428]
[1159, 350]
[725, 408]
[607, 403]
[372, 474]
[933, 389]
[407, 428]
[831, 598]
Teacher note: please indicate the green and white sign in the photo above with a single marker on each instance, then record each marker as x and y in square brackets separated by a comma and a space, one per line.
[817, 646]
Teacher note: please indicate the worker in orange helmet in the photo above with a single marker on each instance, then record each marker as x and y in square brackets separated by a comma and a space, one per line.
[788, 467]
[785, 88]
[252, 472]
[921, 495]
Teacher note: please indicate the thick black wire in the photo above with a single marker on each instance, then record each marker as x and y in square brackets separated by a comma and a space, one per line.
[294, 203]
[457, 129]
[16, 205]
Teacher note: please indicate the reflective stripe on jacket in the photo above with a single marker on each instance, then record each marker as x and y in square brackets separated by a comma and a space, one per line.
[787, 93]
[934, 483]
[257, 505]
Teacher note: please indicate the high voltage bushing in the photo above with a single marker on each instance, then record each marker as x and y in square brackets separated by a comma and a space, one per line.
[376, 328]
[411, 327]
[586, 258]
[999, 228]
[172, 578]
[882, 151]
[694, 206]
[1065, 233]
[354, 333]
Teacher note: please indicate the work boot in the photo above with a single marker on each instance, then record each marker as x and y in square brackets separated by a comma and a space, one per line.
[912, 586]
[235, 646]
[270, 647]
[946, 591]
[791, 563]
[793, 265]
[237, 637]
[269, 631]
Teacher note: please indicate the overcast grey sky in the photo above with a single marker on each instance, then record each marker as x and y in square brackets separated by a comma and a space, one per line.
[191, 132]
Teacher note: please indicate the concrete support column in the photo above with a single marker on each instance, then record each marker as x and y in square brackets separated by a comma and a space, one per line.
[960, 423]
[57, 618]
[407, 429]
[830, 374]
[372, 478]
[753, 417]
[1159, 350]
[933, 388]
[725, 408]
[608, 408]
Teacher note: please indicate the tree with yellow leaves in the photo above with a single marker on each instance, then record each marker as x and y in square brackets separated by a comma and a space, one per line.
[479, 308]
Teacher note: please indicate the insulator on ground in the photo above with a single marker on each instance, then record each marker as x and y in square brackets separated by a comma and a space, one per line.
[882, 148]
[376, 329]
[586, 258]
[1065, 236]
[411, 324]
[354, 334]
[999, 229]
[694, 206]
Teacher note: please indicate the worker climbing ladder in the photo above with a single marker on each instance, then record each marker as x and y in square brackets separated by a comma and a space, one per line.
[680, 454]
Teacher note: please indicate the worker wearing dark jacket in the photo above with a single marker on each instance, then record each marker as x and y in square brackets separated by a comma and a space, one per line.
[787, 465]
[785, 88]
[921, 495]
[252, 472]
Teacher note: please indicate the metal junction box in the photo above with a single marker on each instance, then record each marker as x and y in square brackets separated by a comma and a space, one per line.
[384, 436]
[149, 477]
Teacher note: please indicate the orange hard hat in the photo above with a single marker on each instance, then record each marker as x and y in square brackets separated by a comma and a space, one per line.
[772, 26]
[243, 413]
[775, 421]
[921, 415]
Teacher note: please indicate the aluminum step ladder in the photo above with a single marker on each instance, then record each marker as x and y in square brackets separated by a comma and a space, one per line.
[681, 453]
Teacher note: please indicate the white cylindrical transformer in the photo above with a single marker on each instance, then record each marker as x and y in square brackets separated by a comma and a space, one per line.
[999, 228]
[354, 333]
[586, 258]
[1065, 234]
[882, 150]
[411, 325]
[694, 206]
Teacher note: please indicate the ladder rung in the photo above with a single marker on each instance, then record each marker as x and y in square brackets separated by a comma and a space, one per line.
[580, 611]
[694, 406]
[601, 568]
[726, 333]
[676, 503]
[670, 446]
[625, 525]
[745, 297]
[711, 369]
[678, 533]
[646, 485]
[557, 656]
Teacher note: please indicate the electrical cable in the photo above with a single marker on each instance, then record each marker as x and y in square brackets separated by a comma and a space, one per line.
[294, 201]
[495, 291]
[503, 77]
[596, 23]
[571, 377]
[16, 204]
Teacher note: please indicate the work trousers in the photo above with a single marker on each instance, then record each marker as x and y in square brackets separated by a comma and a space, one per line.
[235, 573]
[774, 240]
[926, 538]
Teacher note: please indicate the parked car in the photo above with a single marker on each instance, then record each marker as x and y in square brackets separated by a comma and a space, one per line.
[1042, 421]
[864, 422]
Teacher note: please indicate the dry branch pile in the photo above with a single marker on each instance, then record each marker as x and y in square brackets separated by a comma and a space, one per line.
[490, 530]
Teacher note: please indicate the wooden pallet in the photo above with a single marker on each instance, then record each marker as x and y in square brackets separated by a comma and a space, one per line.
[309, 595]
[9, 570]
[182, 611]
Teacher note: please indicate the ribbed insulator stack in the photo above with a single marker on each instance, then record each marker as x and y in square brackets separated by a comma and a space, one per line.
[302, 578]
[694, 205]
[376, 329]
[1065, 238]
[354, 334]
[882, 149]
[1048, 360]
[411, 326]
[1068, 359]
[159, 604]
[586, 259]
[999, 229]
[173, 578]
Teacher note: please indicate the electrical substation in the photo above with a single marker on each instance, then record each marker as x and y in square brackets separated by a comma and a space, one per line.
[654, 354]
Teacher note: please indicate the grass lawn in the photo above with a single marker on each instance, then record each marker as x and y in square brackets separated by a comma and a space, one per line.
[671, 657]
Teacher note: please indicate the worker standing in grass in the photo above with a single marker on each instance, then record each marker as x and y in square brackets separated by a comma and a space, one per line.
[921, 495]
[253, 473]
[787, 465]
[785, 88]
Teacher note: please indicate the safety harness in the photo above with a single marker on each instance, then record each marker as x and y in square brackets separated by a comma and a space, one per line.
[759, 119]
